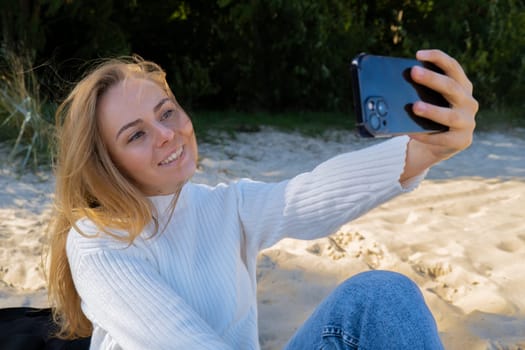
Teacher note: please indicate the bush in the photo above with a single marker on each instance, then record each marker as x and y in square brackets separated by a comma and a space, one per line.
[276, 54]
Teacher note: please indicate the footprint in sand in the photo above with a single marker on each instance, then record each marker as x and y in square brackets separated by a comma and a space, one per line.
[350, 245]
[433, 270]
[510, 246]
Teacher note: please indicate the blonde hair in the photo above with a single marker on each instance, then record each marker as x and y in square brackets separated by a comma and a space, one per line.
[89, 185]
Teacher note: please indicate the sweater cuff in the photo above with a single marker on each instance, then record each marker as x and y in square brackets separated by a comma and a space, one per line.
[412, 183]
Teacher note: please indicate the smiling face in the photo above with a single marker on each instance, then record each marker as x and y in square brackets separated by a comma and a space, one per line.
[148, 135]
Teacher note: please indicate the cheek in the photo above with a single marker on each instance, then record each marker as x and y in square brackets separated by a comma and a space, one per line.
[187, 128]
[189, 133]
[130, 163]
[195, 150]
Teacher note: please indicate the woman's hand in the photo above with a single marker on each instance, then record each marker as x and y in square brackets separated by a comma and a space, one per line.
[425, 150]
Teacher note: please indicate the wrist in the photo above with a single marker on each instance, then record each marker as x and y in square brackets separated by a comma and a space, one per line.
[418, 159]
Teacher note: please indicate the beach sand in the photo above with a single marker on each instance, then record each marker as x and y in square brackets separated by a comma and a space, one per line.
[460, 236]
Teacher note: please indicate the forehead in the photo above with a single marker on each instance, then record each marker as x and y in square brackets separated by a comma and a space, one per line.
[128, 100]
[131, 92]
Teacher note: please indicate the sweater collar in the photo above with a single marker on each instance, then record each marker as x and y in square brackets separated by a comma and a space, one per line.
[163, 202]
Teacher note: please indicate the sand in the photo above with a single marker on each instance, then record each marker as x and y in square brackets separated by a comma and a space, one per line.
[460, 236]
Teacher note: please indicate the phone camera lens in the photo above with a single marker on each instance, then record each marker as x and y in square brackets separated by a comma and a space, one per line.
[381, 108]
[370, 105]
[375, 121]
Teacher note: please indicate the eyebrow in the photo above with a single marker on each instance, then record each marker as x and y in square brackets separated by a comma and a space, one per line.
[138, 121]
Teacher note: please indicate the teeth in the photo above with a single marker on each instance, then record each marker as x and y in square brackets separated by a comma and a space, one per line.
[172, 157]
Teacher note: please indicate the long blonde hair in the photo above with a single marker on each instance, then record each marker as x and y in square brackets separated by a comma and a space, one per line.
[88, 184]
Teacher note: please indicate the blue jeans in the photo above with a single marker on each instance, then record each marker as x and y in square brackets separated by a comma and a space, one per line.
[372, 310]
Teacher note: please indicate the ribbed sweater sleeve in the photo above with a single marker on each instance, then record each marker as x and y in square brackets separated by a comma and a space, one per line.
[131, 301]
[317, 203]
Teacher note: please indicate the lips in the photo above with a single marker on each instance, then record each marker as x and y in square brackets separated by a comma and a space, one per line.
[173, 157]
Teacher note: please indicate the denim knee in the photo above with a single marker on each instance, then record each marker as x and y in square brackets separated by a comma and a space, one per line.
[371, 310]
[392, 307]
[381, 282]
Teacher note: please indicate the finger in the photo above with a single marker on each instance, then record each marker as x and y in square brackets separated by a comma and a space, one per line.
[445, 85]
[449, 65]
[449, 143]
[444, 115]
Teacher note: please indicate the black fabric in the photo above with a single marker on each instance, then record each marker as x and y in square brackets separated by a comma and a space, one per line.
[25, 328]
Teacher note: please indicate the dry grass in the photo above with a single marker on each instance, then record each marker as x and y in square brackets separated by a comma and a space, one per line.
[24, 122]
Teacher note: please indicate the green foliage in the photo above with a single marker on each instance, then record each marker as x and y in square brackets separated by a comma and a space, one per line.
[273, 55]
[310, 123]
[486, 37]
[507, 119]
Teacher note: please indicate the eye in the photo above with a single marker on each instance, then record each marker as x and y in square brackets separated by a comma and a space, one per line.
[167, 114]
[135, 136]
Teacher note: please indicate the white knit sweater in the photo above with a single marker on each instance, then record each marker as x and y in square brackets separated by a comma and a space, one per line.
[193, 286]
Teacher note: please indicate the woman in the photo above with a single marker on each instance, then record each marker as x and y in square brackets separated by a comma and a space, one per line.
[141, 258]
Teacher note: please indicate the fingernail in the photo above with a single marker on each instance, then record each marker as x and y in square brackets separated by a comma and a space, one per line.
[419, 107]
[422, 54]
[417, 71]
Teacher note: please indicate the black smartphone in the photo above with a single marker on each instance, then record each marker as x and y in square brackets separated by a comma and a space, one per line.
[384, 93]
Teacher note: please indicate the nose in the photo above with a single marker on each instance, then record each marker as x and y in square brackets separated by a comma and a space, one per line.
[163, 134]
